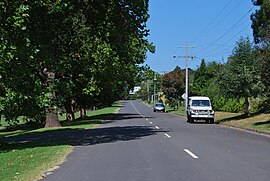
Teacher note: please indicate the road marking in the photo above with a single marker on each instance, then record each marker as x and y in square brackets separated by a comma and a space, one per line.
[136, 109]
[156, 127]
[151, 123]
[146, 119]
[167, 135]
[190, 153]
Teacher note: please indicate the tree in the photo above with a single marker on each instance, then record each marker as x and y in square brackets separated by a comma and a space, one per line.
[173, 86]
[200, 80]
[56, 52]
[240, 77]
[204, 82]
[261, 32]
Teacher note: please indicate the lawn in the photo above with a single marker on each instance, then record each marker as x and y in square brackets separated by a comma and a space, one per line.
[28, 161]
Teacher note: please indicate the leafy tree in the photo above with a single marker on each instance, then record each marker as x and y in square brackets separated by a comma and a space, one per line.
[173, 86]
[261, 21]
[240, 76]
[201, 80]
[261, 32]
[56, 52]
[204, 83]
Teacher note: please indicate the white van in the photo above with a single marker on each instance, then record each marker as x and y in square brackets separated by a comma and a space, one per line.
[200, 108]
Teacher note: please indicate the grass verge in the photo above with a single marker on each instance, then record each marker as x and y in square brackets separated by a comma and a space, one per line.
[27, 161]
[258, 122]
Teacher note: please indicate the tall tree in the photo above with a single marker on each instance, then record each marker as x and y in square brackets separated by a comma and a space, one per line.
[240, 77]
[261, 32]
[53, 52]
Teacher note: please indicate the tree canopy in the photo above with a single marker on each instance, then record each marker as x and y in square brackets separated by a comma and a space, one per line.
[56, 52]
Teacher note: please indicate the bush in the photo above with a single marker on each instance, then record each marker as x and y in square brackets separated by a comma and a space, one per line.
[221, 103]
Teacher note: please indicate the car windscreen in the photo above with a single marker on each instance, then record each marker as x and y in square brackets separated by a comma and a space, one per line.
[159, 104]
[200, 103]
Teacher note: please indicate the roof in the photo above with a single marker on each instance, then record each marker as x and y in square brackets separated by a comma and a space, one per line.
[199, 98]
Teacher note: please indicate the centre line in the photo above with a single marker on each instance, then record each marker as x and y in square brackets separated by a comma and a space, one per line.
[156, 127]
[136, 109]
[167, 135]
[190, 153]
[151, 123]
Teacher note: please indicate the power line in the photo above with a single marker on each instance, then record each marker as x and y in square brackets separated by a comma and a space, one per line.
[227, 31]
[219, 22]
[212, 21]
[231, 39]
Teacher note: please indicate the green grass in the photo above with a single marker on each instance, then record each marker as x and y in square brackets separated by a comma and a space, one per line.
[27, 161]
[93, 119]
[259, 122]
[181, 111]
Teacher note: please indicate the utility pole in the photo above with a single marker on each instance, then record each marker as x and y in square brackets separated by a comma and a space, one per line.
[148, 93]
[186, 94]
[155, 80]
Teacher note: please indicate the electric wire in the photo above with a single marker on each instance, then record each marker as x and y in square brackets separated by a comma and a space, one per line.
[211, 22]
[224, 44]
[226, 31]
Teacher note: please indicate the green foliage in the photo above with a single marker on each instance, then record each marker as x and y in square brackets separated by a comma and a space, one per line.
[173, 86]
[261, 32]
[240, 77]
[92, 49]
[261, 22]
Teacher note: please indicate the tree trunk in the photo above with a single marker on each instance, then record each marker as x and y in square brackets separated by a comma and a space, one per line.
[247, 106]
[83, 113]
[52, 119]
[69, 110]
[51, 113]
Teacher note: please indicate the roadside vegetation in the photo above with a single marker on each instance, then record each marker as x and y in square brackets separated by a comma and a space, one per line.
[239, 88]
[28, 160]
[62, 56]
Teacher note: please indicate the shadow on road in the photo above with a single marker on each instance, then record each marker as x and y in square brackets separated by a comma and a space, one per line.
[80, 136]
[77, 137]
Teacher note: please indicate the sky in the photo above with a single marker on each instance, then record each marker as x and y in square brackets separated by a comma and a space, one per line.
[212, 26]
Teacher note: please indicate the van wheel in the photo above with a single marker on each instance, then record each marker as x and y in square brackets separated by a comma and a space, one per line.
[212, 121]
[191, 120]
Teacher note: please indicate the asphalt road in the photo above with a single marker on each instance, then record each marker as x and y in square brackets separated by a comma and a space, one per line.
[140, 145]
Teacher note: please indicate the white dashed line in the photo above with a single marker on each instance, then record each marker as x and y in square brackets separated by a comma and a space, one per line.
[190, 153]
[136, 109]
[167, 135]
[146, 119]
[156, 127]
[151, 123]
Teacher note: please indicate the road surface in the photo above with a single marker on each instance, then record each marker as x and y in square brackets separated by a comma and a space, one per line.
[140, 145]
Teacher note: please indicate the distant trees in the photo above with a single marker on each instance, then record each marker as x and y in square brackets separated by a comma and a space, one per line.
[145, 79]
[55, 53]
